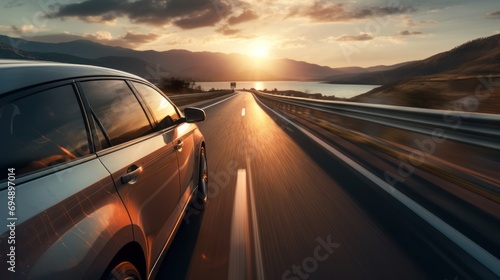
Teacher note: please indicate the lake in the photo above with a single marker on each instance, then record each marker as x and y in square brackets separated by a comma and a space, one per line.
[338, 90]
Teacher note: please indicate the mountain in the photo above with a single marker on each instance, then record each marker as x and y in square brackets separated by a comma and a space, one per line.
[476, 57]
[80, 48]
[206, 66]
[449, 81]
[9, 52]
[201, 66]
[132, 65]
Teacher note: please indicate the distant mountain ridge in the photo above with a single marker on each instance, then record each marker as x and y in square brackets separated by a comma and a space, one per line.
[7, 51]
[447, 81]
[477, 57]
[201, 66]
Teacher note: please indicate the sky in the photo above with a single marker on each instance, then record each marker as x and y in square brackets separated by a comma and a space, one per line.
[325, 32]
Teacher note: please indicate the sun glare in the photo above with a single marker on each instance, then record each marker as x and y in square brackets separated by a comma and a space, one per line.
[259, 50]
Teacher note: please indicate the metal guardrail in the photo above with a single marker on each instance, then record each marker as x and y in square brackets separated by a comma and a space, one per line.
[178, 97]
[471, 128]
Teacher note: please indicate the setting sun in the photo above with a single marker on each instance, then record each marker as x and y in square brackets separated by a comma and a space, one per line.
[250, 139]
[259, 49]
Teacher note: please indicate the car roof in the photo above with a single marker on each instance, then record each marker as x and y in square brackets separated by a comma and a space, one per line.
[17, 74]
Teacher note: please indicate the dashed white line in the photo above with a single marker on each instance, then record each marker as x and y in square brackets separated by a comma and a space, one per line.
[240, 252]
[217, 102]
[239, 230]
[255, 226]
[476, 251]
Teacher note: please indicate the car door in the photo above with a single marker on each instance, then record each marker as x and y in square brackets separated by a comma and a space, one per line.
[143, 162]
[63, 207]
[166, 115]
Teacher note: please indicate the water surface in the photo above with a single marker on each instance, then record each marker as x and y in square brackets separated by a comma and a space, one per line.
[338, 90]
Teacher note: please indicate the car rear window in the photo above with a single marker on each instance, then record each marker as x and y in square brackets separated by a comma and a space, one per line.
[42, 130]
[116, 110]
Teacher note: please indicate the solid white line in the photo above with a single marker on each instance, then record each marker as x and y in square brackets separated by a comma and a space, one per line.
[217, 102]
[239, 230]
[255, 225]
[243, 112]
[476, 251]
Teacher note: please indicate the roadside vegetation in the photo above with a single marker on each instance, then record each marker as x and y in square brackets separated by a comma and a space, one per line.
[178, 85]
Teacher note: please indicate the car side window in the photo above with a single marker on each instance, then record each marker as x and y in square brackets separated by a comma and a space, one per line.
[41, 130]
[163, 111]
[117, 111]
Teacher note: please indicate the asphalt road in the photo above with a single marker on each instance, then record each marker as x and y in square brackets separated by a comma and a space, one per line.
[282, 207]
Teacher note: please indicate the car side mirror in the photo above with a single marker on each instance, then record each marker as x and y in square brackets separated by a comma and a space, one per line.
[193, 115]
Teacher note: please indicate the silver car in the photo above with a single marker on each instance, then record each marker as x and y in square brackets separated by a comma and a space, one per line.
[97, 170]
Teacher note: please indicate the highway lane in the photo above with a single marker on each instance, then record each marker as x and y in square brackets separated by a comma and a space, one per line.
[305, 214]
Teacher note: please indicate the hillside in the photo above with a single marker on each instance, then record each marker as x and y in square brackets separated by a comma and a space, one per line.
[200, 66]
[465, 78]
[132, 65]
[80, 48]
[445, 91]
[9, 52]
[477, 57]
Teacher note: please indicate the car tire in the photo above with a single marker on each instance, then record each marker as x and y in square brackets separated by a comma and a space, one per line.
[124, 271]
[202, 192]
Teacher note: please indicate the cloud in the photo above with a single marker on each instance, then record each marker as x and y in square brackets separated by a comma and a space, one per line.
[25, 28]
[110, 9]
[493, 15]
[362, 39]
[182, 13]
[345, 37]
[21, 30]
[137, 39]
[409, 22]
[5, 29]
[13, 4]
[180, 41]
[128, 40]
[293, 43]
[106, 19]
[246, 15]
[227, 31]
[323, 11]
[408, 32]
[200, 19]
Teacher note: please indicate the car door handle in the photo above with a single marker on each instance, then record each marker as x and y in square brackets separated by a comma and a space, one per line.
[132, 175]
[179, 145]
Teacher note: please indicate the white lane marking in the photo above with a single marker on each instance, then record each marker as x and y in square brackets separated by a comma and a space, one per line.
[243, 112]
[476, 251]
[239, 230]
[255, 225]
[217, 102]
